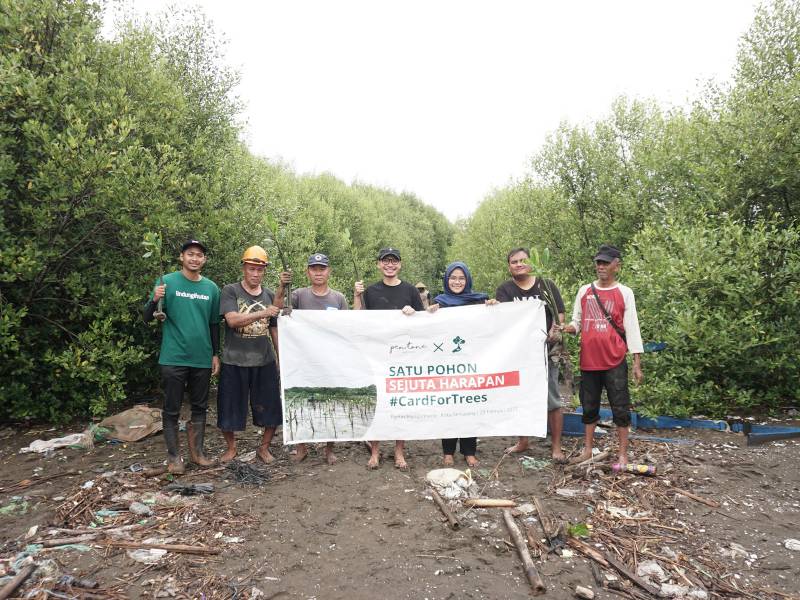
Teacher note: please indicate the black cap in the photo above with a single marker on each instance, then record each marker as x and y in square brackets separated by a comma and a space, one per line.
[607, 253]
[318, 259]
[389, 252]
[197, 243]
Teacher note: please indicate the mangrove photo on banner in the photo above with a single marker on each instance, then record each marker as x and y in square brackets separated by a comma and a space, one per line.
[327, 413]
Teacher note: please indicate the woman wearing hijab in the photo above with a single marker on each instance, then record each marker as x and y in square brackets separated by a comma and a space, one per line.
[458, 292]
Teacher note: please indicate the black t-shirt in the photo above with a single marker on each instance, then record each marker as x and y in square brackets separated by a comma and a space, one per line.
[509, 292]
[380, 296]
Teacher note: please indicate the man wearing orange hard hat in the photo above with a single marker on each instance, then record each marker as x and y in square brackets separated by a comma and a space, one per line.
[249, 356]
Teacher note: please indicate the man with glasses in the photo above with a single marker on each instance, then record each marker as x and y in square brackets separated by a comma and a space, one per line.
[388, 294]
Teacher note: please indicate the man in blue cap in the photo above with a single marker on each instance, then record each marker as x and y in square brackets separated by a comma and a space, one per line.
[318, 296]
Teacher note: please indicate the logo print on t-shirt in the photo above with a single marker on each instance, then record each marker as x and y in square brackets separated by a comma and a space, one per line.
[595, 319]
[256, 329]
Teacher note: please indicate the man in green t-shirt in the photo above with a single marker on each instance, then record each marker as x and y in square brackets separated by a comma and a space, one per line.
[189, 348]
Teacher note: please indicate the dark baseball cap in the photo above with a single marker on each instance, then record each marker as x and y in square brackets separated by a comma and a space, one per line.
[389, 252]
[607, 253]
[197, 243]
[318, 259]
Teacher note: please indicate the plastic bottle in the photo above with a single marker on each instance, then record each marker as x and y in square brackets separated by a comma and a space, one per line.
[636, 469]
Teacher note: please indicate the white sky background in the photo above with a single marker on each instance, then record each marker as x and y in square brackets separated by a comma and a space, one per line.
[449, 99]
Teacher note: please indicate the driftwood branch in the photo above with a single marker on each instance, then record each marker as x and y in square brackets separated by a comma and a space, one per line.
[19, 579]
[489, 503]
[452, 521]
[180, 548]
[537, 585]
[696, 498]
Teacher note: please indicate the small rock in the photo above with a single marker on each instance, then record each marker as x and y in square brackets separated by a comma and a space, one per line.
[584, 592]
[792, 544]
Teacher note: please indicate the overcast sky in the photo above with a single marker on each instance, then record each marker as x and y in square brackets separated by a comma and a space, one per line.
[450, 99]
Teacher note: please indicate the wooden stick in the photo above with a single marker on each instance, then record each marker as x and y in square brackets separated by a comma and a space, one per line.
[619, 566]
[181, 548]
[19, 579]
[588, 551]
[489, 503]
[452, 521]
[601, 456]
[531, 573]
[696, 498]
[53, 542]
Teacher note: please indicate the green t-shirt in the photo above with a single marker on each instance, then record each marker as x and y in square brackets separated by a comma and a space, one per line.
[191, 307]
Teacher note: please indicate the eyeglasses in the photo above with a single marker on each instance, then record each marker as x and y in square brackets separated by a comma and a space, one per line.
[390, 261]
[457, 279]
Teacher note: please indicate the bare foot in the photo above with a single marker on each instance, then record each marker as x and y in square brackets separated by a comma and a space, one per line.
[400, 463]
[558, 457]
[228, 455]
[374, 462]
[585, 455]
[471, 461]
[622, 460]
[330, 457]
[264, 455]
[447, 461]
[518, 447]
[301, 454]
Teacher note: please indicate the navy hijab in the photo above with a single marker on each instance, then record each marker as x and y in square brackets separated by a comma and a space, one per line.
[448, 298]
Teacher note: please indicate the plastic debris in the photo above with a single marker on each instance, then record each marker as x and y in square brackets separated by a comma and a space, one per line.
[18, 505]
[531, 463]
[650, 569]
[149, 556]
[133, 424]
[79, 440]
[138, 508]
[451, 483]
[190, 489]
[792, 544]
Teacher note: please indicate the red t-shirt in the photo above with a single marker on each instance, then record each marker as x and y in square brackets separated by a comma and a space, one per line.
[602, 347]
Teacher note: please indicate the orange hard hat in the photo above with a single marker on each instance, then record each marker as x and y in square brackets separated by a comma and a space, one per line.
[255, 255]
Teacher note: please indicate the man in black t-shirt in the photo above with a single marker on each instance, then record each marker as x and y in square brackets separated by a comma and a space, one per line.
[388, 294]
[524, 286]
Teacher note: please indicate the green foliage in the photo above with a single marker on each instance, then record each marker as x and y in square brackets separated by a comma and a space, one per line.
[108, 147]
[724, 297]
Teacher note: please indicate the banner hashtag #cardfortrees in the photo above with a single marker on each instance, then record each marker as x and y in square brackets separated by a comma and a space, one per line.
[381, 375]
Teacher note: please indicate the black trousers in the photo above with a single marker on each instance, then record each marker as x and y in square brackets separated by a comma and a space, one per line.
[468, 446]
[176, 380]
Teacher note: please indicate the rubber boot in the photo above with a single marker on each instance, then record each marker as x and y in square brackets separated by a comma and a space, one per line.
[197, 433]
[174, 460]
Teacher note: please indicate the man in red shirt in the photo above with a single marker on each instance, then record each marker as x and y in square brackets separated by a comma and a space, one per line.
[605, 316]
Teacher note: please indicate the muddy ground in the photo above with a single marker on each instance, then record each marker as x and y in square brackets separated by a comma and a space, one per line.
[341, 531]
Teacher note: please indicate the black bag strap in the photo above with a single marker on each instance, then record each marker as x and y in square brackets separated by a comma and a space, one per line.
[602, 306]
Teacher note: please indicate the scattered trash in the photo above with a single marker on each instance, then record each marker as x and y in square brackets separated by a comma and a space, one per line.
[136, 467]
[133, 424]
[247, 457]
[138, 508]
[88, 485]
[69, 580]
[31, 532]
[190, 489]
[18, 505]
[635, 469]
[530, 463]
[735, 551]
[149, 556]
[650, 569]
[569, 492]
[451, 483]
[792, 544]
[79, 440]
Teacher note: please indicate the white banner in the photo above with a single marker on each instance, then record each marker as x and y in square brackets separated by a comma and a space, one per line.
[380, 375]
